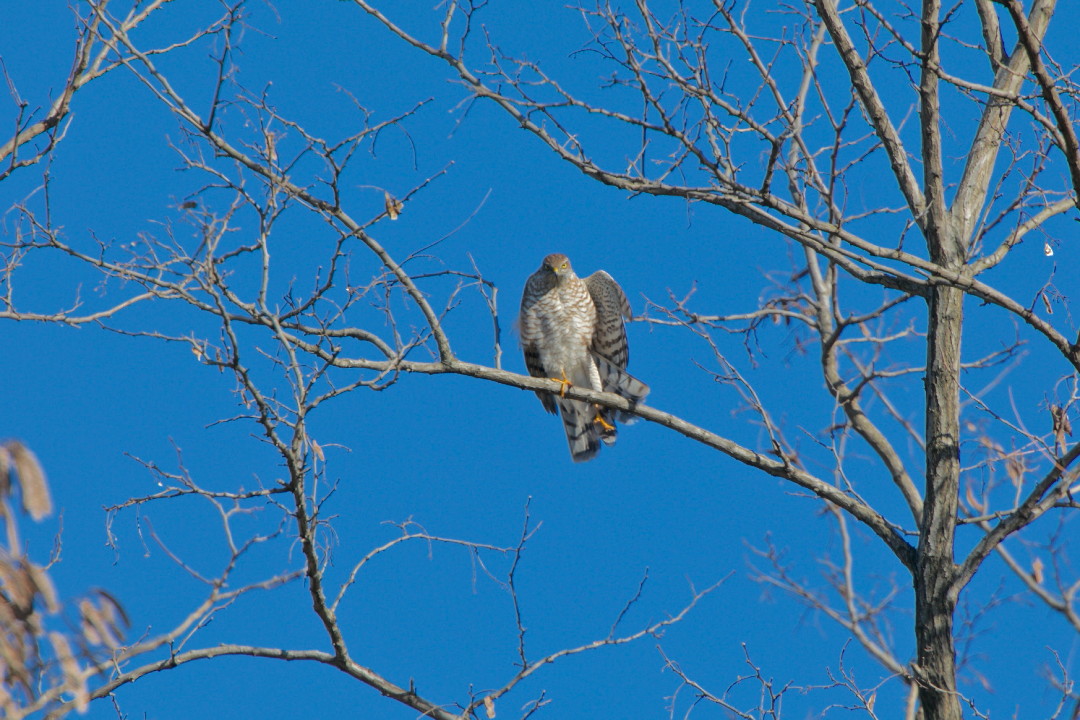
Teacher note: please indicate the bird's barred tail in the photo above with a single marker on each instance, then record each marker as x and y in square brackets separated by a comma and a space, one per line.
[584, 432]
[618, 381]
[588, 425]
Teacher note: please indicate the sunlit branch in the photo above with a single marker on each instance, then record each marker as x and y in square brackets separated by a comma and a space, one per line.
[1030, 36]
[874, 107]
[160, 86]
[652, 630]
[1009, 77]
[1044, 496]
[859, 510]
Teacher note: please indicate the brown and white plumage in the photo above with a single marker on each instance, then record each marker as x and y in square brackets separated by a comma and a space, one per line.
[572, 330]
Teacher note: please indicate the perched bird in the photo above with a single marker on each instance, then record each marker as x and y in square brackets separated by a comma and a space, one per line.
[572, 331]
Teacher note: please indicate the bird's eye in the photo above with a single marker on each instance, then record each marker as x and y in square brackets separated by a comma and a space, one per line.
[563, 266]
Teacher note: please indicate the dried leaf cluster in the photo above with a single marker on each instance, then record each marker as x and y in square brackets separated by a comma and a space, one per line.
[40, 665]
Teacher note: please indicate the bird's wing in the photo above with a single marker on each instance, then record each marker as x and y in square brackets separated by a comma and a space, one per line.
[612, 306]
[529, 328]
[610, 344]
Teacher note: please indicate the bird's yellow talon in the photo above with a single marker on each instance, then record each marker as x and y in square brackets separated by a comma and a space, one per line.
[603, 423]
[564, 381]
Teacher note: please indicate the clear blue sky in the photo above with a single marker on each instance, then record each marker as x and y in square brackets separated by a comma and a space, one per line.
[461, 457]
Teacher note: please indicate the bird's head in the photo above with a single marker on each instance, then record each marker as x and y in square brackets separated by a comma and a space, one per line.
[558, 264]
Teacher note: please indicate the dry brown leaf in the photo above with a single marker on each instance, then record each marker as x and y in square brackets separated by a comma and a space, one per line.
[14, 659]
[96, 626]
[32, 485]
[100, 626]
[43, 586]
[92, 629]
[315, 448]
[870, 701]
[1037, 570]
[18, 586]
[990, 445]
[8, 614]
[489, 707]
[13, 655]
[73, 677]
[115, 610]
[972, 501]
[271, 148]
[1046, 304]
[984, 681]
[1016, 468]
[393, 206]
[1061, 426]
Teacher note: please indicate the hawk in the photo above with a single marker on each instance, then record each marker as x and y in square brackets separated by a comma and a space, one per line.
[572, 331]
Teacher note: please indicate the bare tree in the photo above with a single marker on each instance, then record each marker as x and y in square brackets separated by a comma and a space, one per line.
[783, 115]
[789, 155]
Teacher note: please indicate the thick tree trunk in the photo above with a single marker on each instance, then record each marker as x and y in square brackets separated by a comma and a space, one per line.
[935, 570]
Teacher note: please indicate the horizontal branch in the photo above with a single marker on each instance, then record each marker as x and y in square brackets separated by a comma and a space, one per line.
[777, 468]
[365, 675]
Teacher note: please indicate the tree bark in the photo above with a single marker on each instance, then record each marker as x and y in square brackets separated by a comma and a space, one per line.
[935, 570]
